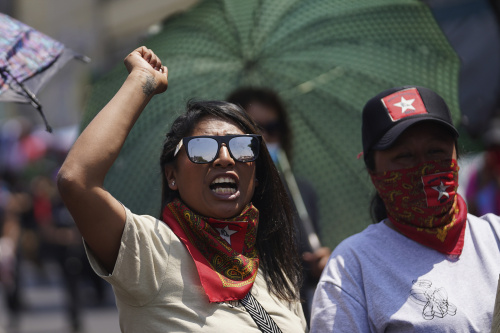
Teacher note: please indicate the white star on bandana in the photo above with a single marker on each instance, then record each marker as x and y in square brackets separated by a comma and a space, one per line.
[441, 188]
[226, 233]
[405, 104]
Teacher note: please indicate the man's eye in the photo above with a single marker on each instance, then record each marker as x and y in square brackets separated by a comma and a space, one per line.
[436, 151]
[403, 155]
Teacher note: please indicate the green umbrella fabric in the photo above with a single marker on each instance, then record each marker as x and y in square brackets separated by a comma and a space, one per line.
[324, 58]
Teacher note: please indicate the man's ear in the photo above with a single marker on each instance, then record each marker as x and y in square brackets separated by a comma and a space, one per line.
[170, 176]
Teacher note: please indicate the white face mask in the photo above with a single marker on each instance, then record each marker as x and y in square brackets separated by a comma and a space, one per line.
[273, 149]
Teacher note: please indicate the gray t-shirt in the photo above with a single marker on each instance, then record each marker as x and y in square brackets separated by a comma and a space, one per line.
[381, 281]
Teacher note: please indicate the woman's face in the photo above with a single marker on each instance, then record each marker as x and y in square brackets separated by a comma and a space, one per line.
[425, 141]
[207, 188]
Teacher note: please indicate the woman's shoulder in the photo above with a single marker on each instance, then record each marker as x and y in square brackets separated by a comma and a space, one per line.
[373, 233]
[142, 229]
[354, 250]
[484, 224]
[131, 214]
[144, 221]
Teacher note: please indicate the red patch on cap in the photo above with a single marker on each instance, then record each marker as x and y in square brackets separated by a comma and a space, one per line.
[439, 188]
[404, 103]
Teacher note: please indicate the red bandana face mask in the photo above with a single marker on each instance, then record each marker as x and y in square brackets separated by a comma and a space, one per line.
[223, 250]
[423, 204]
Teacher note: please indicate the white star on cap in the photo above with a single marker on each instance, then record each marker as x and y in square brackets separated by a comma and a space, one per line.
[226, 233]
[441, 188]
[405, 104]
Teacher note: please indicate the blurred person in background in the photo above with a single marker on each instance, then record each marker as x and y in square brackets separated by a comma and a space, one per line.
[12, 205]
[268, 110]
[483, 185]
[61, 242]
[36, 228]
[427, 265]
[222, 256]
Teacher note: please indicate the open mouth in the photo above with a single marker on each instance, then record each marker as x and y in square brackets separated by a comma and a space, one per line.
[224, 185]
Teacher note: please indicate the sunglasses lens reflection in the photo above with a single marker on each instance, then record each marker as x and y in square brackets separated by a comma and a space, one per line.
[244, 148]
[202, 150]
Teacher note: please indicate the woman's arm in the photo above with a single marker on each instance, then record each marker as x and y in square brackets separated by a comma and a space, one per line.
[98, 215]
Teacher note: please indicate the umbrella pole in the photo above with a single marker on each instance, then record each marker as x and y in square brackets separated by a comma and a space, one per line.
[34, 101]
[83, 58]
[38, 107]
[290, 180]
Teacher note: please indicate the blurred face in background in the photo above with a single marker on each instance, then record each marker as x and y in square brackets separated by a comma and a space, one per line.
[268, 119]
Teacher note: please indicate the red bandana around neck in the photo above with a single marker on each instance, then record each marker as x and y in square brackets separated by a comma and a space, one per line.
[423, 204]
[223, 250]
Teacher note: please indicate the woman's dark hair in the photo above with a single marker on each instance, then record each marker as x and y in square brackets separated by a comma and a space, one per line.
[378, 211]
[275, 237]
[245, 96]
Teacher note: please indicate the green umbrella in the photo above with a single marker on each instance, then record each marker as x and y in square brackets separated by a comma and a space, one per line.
[325, 58]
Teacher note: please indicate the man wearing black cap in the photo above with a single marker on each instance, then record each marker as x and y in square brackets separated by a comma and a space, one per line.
[428, 266]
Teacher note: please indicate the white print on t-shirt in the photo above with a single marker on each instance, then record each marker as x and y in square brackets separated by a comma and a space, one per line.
[435, 301]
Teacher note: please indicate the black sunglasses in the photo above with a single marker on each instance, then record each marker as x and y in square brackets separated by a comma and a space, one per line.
[205, 148]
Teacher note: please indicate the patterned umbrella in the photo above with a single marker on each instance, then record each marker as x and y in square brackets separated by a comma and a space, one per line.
[325, 58]
[28, 59]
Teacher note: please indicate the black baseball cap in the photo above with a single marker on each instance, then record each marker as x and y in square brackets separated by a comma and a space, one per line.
[387, 115]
